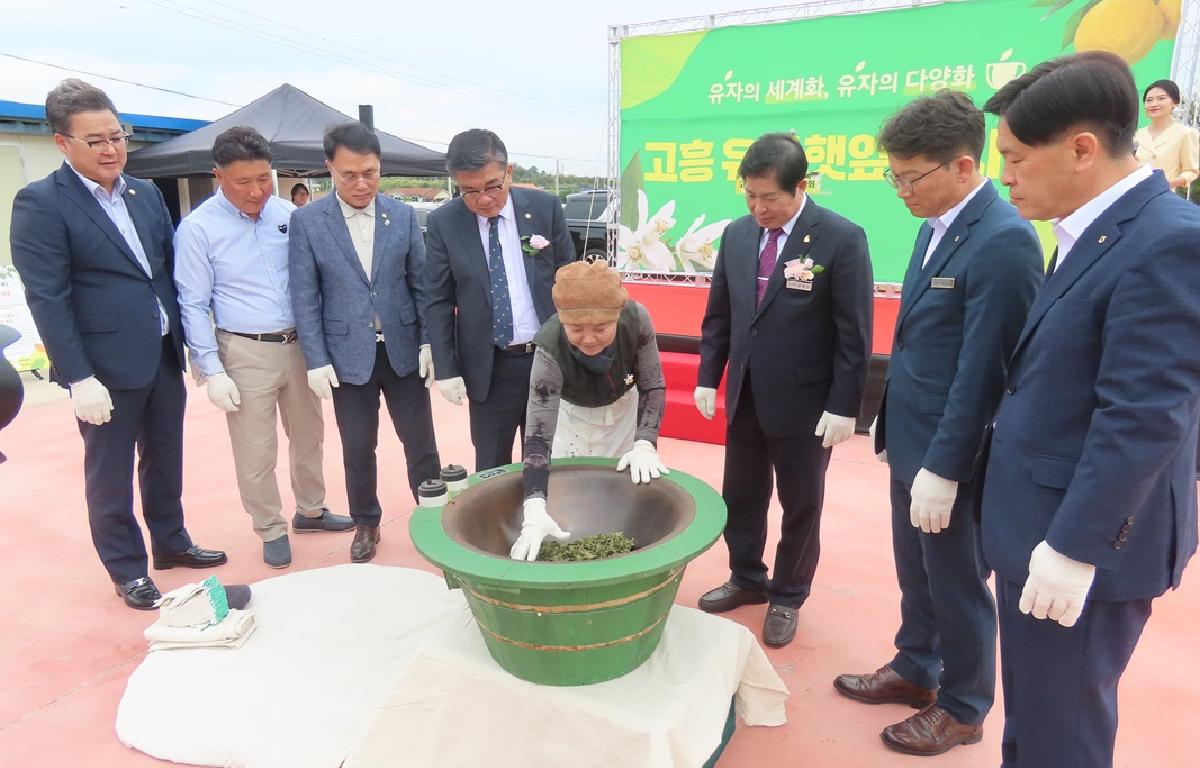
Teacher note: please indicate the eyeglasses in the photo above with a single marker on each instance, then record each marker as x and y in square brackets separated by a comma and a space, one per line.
[906, 185]
[99, 145]
[370, 176]
[490, 190]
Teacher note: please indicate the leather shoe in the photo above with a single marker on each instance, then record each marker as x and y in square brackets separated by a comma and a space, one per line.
[780, 626]
[931, 731]
[326, 521]
[362, 548]
[727, 597]
[192, 557]
[139, 593]
[884, 686]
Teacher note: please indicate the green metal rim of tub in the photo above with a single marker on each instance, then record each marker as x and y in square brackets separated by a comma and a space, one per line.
[436, 546]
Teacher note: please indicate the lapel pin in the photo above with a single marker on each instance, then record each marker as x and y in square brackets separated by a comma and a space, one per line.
[529, 215]
[807, 239]
[1102, 239]
[956, 238]
[132, 192]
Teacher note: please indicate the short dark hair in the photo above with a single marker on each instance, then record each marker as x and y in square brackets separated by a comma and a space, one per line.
[775, 153]
[69, 98]
[474, 149]
[299, 185]
[240, 142]
[1093, 90]
[940, 127]
[353, 136]
[1169, 86]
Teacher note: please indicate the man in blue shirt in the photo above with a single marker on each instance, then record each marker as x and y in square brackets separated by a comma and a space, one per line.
[232, 260]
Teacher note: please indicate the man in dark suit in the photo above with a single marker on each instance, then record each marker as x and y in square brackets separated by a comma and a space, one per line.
[973, 274]
[1089, 503]
[357, 278]
[93, 248]
[790, 312]
[493, 252]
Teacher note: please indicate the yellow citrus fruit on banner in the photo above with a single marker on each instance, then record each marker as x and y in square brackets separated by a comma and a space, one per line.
[1128, 28]
[1171, 11]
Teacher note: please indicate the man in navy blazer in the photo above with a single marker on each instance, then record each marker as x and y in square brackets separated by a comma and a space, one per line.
[973, 274]
[789, 316]
[493, 252]
[93, 248]
[1089, 504]
[356, 264]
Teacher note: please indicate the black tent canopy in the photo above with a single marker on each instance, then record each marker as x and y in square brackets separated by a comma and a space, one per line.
[294, 123]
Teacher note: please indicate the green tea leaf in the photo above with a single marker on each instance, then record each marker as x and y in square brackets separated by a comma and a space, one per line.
[595, 547]
[631, 182]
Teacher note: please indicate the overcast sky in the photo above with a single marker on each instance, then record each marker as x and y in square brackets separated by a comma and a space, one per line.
[534, 72]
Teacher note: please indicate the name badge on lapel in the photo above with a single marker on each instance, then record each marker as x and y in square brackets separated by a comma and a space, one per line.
[799, 285]
[942, 282]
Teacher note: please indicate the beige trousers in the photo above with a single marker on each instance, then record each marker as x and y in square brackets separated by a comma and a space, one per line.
[270, 376]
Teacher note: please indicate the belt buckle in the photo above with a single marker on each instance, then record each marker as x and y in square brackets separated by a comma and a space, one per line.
[289, 336]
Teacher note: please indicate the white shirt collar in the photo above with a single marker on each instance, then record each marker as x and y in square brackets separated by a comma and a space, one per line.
[1068, 229]
[92, 186]
[349, 211]
[944, 221]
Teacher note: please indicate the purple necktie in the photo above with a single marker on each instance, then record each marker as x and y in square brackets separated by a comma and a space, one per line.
[766, 262]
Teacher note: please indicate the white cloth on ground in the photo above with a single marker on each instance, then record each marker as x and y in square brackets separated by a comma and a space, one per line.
[230, 632]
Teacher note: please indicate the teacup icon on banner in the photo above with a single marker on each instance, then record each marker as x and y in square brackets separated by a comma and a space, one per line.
[1001, 72]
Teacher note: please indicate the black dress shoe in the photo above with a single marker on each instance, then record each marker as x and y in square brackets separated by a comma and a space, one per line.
[139, 593]
[727, 597]
[780, 626]
[327, 521]
[192, 557]
[362, 548]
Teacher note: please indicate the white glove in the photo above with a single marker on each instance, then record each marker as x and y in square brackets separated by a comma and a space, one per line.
[932, 499]
[453, 390]
[834, 429]
[1057, 586]
[643, 463]
[706, 401]
[92, 402]
[536, 527]
[425, 364]
[223, 393]
[882, 455]
[322, 381]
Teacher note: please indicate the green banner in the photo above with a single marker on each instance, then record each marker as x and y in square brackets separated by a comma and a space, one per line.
[692, 103]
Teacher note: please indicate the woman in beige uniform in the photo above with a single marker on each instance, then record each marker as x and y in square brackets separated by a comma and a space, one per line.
[1166, 144]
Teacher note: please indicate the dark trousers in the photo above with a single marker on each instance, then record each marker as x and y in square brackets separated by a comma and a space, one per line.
[947, 636]
[356, 408]
[1060, 684]
[798, 465]
[495, 421]
[150, 421]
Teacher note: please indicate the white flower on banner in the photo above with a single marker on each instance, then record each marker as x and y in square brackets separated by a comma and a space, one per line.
[643, 248]
[695, 249]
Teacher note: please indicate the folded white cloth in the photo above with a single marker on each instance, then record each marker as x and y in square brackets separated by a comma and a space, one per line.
[230, 632]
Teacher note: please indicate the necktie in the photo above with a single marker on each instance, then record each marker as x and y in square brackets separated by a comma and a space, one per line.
[766, 262]
[502, 316]
[1053, 265]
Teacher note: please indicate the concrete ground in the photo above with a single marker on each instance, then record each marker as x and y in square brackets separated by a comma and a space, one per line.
[67, 644]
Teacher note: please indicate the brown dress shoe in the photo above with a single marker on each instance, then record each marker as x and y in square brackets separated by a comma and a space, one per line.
[931, 731]
[727, 597]
[780, 626]
[884, 686]
[362, 548]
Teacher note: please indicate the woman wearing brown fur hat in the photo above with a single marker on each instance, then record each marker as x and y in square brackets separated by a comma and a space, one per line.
[596, 389]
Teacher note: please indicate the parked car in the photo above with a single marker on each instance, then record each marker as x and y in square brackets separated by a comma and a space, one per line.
[423, 208]
[588, 214]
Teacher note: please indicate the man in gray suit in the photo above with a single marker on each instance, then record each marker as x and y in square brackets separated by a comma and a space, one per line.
[356, 264]
[493, 252]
